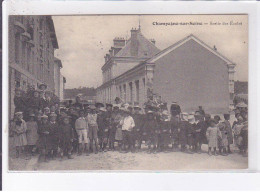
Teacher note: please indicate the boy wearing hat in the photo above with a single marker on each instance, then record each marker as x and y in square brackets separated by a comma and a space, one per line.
[81, 126]
[190, 133]
[165, 126]
[93, 129]
[44, 138]
[127, 127]
[19, 128]
[184, 128]
[139, 120]
[148, 129]
[32, 133]
[117, 117]
[108, 123]
[54, 135]
[198, 130]
[101, 120]
[66, 137]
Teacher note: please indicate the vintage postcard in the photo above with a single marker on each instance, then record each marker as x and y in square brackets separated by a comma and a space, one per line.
[127, 92]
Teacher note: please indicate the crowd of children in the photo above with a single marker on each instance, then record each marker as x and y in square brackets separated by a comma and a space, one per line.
[45, 128]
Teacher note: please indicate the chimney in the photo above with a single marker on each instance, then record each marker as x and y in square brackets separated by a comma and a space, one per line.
[119, 42]
[153, 41]
[107, 57]
[134, 42]
[111, 52]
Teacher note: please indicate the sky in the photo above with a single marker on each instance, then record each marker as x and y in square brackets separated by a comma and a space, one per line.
[84, 40]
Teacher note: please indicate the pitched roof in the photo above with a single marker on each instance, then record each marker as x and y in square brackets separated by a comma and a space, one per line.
[181, 42]
[146, 49]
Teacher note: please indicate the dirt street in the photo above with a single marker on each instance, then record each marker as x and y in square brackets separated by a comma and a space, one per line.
[176, 161]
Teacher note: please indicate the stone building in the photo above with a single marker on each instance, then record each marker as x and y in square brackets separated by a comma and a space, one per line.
[189, 72]
[32, 42]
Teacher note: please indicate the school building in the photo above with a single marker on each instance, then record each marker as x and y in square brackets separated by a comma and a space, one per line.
[189, 72]
[32, 42]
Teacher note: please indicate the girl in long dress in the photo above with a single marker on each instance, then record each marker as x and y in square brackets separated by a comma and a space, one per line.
[213, 133]
[19, 128]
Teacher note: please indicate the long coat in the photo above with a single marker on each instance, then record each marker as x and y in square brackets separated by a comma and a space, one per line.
[66, 134]
[184, 128]
[44, 139]
[19, 129]
[54, 135]
[213, 133]
[32, 134]
[165, 132]
[229, 132]
[20, 104]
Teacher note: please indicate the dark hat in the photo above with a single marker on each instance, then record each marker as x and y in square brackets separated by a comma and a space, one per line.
[43, 85]
[107, 105]
[216, 117]
[98, 105]
[212, 121]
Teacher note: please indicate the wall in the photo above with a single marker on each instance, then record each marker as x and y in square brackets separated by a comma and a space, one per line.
[193, 76]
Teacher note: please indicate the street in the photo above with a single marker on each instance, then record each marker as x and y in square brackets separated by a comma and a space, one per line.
[176, 161]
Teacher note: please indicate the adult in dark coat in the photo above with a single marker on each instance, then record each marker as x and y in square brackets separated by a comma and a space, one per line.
[175, 109]
[19, 101]
[33, 103]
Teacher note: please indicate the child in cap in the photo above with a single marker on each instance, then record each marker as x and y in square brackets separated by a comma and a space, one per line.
[229, 131]
[44, 138]
[184, 128]
[213, 133]
[66, 137]
[32, 134]
[81, 126]
[19, 128]
[165, 126]
[190, 134]
[148, 129]
[54, 135]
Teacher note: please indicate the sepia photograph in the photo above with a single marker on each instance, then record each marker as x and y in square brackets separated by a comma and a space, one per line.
[127, 93]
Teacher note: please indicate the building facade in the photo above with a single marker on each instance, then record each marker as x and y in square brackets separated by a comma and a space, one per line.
[32, 42]
[189, 72]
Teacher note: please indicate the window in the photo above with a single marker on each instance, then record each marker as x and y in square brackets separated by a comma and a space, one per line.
[41, 24]
[23, 54]
[29, 60]
[124, 88]
[17, 48]
[30, 31]
[137, 90]
[120, 92]
[131, 91]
